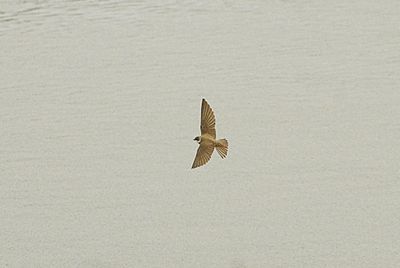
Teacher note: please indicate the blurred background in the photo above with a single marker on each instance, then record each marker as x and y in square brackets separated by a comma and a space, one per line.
[100, 102]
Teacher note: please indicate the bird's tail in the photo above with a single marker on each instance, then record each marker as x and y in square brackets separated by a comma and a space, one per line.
[222, 147]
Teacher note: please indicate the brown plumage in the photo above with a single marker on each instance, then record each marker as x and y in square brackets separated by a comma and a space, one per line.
[207, 140]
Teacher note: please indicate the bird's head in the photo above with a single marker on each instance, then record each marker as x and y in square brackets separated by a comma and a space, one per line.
[197, 139]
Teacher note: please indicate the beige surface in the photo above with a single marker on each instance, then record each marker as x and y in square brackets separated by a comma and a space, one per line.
[99, 104]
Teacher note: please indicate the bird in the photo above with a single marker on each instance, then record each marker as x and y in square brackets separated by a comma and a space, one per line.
[207, 141]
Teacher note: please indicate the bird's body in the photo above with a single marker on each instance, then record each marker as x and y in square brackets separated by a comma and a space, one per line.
[207, 138]
[207, 141]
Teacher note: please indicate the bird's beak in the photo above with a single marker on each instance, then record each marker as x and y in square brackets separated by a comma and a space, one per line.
[194, 139]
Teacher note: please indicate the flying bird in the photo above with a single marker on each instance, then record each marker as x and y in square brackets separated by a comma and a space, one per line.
[207, 141]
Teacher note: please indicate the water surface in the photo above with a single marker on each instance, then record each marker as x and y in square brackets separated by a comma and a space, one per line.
[100, 101]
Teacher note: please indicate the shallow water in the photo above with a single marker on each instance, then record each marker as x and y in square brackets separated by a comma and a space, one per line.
[100, 101]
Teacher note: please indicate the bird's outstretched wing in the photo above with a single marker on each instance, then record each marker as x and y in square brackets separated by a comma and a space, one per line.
[203, 154]
[207, 124]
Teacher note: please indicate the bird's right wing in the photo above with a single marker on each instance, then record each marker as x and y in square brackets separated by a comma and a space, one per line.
[203, 154]
[207, 125]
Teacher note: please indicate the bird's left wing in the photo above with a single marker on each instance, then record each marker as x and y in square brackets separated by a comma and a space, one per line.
[203, 154]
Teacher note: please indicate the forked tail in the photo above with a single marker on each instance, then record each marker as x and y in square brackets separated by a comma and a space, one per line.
[222, 147]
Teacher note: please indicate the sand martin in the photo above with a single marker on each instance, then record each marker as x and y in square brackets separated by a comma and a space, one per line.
[207, 141]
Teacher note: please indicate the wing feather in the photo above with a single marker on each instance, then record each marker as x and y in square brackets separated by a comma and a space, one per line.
[207, 125]
[203, 154]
